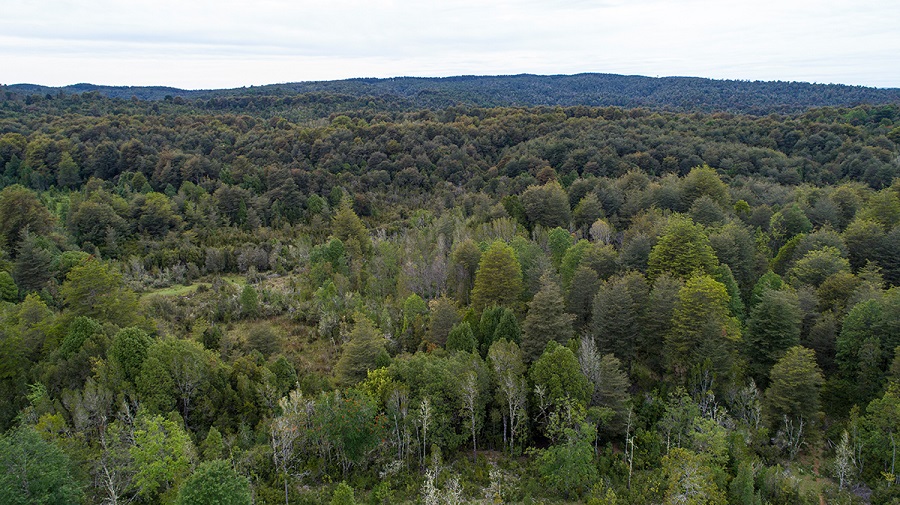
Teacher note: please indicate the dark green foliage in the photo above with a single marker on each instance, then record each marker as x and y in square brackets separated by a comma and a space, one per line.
[214, 483]
[795, 381]
[461, 338]
[32, 268]
[546, 321]
[80, 329]
[579, 300]
[34, 471]
[772, 328]
[363, 351]
[21, 211]
[547, 205]
[619, 312]
[128, 350]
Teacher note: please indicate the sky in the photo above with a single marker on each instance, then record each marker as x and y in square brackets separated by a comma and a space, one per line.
[206, 44]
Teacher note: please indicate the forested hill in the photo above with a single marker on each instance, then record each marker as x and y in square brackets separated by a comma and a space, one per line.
[667, 93]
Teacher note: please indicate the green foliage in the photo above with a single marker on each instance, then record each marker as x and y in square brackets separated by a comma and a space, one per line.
[351, 425]
[363, 351]
[80, 329]
[162, 454]
[9, 292]
[795, 383]
[546, 321]
[619, 313]
[343, 495]
[35, 471]
[547, 205]
[702, 327]
[773, 328]
[568, 468]
[249, 302]
[559, 376]
[462, 338]
[215, 482]
[818, 265]
[93, 290]
[21, 211]
[558, 241]
[499, 278]
[128, 350]
[690, 479]
[682, 251]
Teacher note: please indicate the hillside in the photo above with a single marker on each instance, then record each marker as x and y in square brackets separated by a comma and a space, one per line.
[666, 93]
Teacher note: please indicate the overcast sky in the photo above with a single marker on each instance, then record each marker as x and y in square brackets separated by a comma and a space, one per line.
[198, 44]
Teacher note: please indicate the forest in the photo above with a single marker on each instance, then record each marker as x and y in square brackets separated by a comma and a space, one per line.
[322, 297]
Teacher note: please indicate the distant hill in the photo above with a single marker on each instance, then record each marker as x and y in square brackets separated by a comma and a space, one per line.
[665, 93]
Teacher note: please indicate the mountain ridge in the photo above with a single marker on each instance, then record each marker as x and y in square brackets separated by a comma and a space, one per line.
[675, 93]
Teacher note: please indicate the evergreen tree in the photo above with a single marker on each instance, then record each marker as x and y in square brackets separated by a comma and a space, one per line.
[795, 383]
[363, 351]
[461, 338]
[580, 298]
[215, 483]
[32, 268]
[619, 312]
[773, 328]
[546, 321]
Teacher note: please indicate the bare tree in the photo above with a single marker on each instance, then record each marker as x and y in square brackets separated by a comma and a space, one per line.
[843, 460]
[285, 430]
[470, 399]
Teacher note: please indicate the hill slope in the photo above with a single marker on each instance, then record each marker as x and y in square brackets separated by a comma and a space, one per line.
[667, 93]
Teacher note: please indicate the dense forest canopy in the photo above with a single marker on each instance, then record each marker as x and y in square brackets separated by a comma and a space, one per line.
[682, 94]
[319, 296]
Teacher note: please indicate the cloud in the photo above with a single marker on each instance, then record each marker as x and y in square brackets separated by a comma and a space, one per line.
[228, 43]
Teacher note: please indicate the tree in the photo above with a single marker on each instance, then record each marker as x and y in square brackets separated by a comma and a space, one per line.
[20, 210]
[443, 317]
[546, 320]
[249, 302]
[286, 430]
[683, 251]
[619, 312]
[558, 241]
[33, 470]
[580, 298]
[363, 351]
[93, 290]
[508, 369]
[462, 338]
[162, 454]
[547, 205]
[128, 350]
[67, 175]
[350, 424]
[818, 265]
[175, 373]
[347, 227]
[610, 382]
[795, 381]
[558, 374]
[499, 278]
[773, 328]
[214, 483]
[9, 292]
[465, 257]
[702, 327]
[690, 479]
[32, 268]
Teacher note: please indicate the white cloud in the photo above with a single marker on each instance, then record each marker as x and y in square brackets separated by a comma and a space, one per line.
[203, 44]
